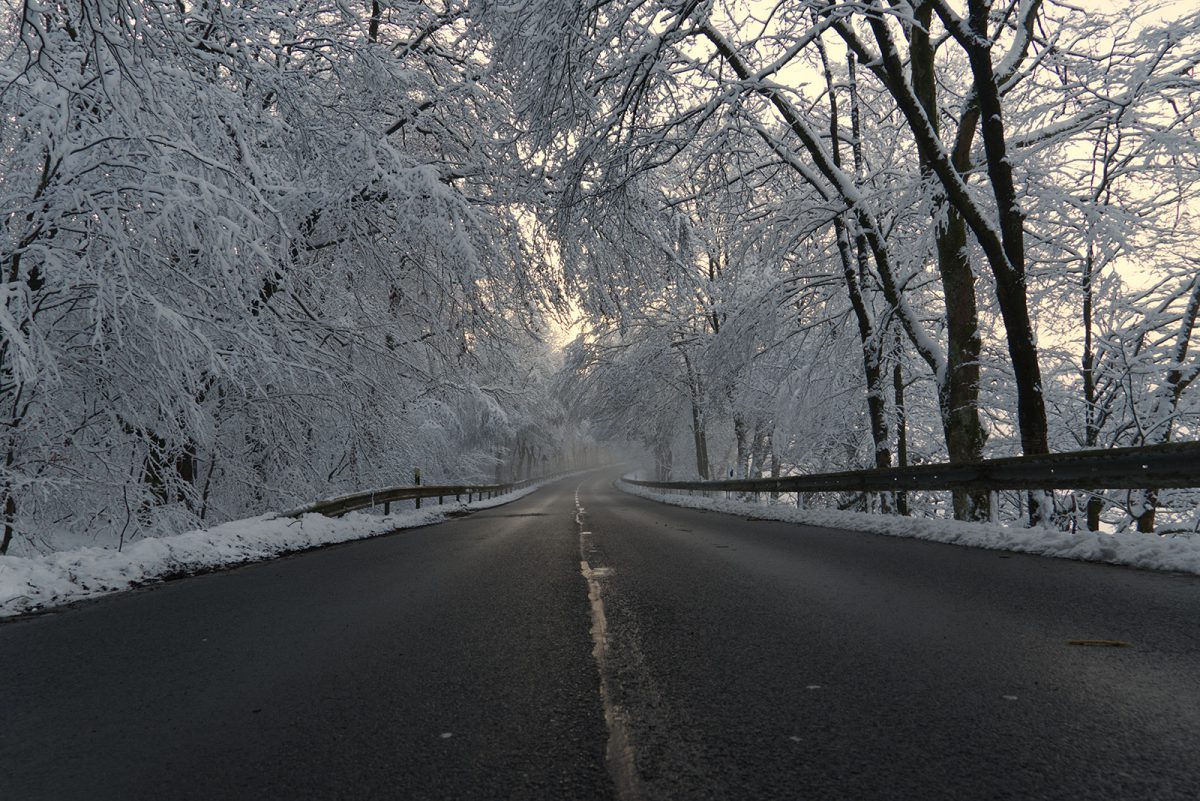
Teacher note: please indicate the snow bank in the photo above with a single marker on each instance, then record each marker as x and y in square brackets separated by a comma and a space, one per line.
[31, 583]
[1175, 553]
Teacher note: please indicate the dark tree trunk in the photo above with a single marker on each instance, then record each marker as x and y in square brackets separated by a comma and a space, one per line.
[759, 448]
[741, 436]
[1092, 418]
[901, 425]
[1009, 274]
[958, 389]
[373, 27]
[695, 395]
[700, 440]
[10, 517]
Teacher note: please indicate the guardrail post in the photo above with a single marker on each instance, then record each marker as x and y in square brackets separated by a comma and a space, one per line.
[417, 482]
[387, 507]
[439, 500]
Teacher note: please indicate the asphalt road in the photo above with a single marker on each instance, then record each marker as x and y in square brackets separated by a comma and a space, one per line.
[739, 659]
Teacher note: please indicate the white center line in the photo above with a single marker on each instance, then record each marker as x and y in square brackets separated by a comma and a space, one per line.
[619, 751]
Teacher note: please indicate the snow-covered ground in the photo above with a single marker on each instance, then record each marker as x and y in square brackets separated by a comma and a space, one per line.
[31, 583]
[1175, 553]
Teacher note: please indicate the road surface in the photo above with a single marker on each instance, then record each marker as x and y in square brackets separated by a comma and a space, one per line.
[581, 643]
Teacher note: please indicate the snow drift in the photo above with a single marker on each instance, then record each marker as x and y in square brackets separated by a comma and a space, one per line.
[32, 583]
[1150, 551]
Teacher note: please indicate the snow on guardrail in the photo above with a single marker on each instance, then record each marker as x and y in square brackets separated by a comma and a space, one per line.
[1180, 553]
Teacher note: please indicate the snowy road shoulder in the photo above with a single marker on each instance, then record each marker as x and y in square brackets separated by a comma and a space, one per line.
[29, 584]
[1149, 551]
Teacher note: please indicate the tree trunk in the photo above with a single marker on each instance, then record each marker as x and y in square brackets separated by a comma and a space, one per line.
[741, 437]
[1091, 424]
[1179, 376]
[662, 460]
[775, 465]
[10, 517]
[699, 438]
[868, 338]
[901, 424]
[1009, 273]
[958, 389]
[760, 446]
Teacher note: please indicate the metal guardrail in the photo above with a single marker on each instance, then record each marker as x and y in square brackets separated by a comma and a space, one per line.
[1169, 466]
[333, 507]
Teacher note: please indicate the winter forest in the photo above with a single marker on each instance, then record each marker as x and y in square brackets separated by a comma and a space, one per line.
[258, 252]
